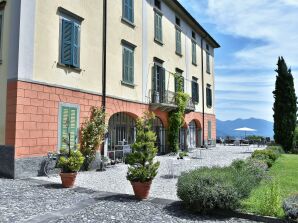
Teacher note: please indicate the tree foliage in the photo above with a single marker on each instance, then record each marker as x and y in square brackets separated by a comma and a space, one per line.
[92, 134]
[142, 167]
[285, 107]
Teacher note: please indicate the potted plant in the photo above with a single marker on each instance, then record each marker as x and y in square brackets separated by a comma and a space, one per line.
[142, 167]
[70, 162]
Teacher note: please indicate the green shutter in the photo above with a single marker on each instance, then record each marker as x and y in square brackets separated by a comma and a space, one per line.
[207, 62]
[69, 117]
[1, 32]
[178, 41]
[67, 42]
[75, 47]
[209, 96]
[158, 27]
[128, 65]
[194, 53]
[209, 130]
[128, 10]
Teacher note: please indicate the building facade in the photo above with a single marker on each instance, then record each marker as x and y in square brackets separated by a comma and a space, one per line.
[60, 58]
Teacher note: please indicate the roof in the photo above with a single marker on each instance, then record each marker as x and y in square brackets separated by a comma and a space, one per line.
[203, 32]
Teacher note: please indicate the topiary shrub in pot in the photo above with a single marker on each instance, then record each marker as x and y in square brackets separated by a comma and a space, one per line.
[70, 162]
[142, 167]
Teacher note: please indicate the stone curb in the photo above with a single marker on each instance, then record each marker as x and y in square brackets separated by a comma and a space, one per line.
[102, 194]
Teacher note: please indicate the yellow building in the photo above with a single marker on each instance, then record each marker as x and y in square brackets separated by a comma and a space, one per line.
[58, 58]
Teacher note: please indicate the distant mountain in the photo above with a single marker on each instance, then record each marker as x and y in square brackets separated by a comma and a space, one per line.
[226, 128]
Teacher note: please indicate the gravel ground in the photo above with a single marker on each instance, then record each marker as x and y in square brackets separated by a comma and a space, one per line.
[164, 185]
[125, 209]
[21, 200]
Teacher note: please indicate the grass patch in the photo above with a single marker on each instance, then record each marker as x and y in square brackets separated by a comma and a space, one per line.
[284, 173]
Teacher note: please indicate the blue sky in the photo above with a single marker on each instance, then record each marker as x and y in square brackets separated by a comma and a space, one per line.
[252, 34]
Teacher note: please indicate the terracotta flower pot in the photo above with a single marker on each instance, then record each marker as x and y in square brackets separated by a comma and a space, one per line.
[68, 179]
[141, 190]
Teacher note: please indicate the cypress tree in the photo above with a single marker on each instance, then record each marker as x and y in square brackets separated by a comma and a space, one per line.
[285, 107]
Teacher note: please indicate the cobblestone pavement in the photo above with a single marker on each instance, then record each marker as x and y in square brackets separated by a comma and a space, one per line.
[38, 201]
[164, 185]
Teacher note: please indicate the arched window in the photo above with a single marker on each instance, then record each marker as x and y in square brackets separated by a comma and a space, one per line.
[159, 130]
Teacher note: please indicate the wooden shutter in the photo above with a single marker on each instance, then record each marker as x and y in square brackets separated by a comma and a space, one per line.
[209, 96]
[131, 67]
[66, 44]
[207, 62]
[194, 53]
[209, 130]
[154, 74]
[69, 125]
[178, 41]
[162, 83]
[75, 46]
[1, 33]
[158, 27]
[128, 6]
[195, 91]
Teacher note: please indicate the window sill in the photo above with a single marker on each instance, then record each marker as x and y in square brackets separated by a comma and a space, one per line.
[127, 22]
[61, 65]
[128, 84]
[208, 72]
[209, 106]
[158, 42]
[178, 54]
[195, 64]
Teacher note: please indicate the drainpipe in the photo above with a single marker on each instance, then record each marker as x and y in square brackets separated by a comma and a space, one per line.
[104, 55]
[104, 70]
[203, 88]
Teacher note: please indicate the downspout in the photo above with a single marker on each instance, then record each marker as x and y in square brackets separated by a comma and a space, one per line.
[104, 55]
[203, 89]
[104, 69]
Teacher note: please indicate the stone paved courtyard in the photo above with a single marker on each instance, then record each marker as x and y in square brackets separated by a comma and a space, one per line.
[164, 185]
[102, 196]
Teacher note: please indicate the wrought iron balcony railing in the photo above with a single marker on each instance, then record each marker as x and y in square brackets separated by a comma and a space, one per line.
[166, 101]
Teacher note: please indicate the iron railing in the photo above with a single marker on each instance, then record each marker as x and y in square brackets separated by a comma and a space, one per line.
[168, 98]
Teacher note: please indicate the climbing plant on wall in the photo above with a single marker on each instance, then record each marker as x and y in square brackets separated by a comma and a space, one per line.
[176, 117]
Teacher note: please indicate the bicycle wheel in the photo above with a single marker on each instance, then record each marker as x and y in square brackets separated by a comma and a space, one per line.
[49, 167]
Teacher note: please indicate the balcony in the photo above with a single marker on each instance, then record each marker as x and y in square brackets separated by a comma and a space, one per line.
[166, 101]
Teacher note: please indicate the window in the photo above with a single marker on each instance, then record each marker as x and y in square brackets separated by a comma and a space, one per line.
[70, 43]
[178, 21]
[158, 27]
[128, 65]
[193, 35]
[128, 10]
[178, 42]
[209, 130]
[157, 4]
[1, 30]
[209, 96]
[194, 52]
[177, 78]
[69, 124]
[195, 90]
[158, 84]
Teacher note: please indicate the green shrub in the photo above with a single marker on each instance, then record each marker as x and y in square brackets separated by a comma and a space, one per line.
[208, 188]
[268, 201]
[290, 207]
[276, 149]
[70, 162]
[266, 155]
[247, 175]
[182, 154]
[92, 135]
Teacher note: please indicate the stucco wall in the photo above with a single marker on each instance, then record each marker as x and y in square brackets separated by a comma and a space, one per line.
[46, 52]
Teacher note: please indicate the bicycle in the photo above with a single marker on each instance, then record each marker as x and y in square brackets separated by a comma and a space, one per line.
[50, 164]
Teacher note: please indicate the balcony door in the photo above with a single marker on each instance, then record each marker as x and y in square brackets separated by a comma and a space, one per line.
[158, 84]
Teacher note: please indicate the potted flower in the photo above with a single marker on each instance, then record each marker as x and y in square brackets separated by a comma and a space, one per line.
[70, 162]
[142, 167]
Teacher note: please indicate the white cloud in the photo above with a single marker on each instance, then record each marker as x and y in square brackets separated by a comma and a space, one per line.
[274, 22]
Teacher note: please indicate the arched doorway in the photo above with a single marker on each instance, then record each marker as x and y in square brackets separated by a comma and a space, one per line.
[159, 130]
[122, 134]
